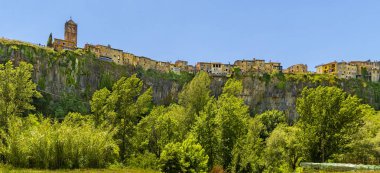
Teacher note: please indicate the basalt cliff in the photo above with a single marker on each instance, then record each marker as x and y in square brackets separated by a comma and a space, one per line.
[79, 73]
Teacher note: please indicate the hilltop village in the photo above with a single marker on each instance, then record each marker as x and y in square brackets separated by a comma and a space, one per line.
[369, 70]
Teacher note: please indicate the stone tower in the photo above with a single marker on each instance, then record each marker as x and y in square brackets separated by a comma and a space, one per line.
[71, 29]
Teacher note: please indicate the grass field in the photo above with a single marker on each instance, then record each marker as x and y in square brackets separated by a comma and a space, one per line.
[126, 170]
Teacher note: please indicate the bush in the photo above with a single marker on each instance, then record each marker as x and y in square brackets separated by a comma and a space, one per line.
[36, 142]
[146, 160]
[187, 156]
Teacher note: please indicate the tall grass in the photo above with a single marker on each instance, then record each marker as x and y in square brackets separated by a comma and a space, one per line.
[75, 143]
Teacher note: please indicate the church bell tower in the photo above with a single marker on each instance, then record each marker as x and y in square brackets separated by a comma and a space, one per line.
[71, 29]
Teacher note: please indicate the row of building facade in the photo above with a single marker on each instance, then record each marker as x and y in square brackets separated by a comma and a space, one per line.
[354, 69]
[369, 70]
[107, 53]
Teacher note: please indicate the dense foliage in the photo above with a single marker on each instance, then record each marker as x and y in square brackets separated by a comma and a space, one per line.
[200, 133]
[75, 143]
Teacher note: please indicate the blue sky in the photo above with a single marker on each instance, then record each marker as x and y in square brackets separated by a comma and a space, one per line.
[289, 31]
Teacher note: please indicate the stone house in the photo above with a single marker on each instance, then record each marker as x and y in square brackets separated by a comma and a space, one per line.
[296, 69]
[272, 67]
[107, 53]
[371, 67]
[247, 66]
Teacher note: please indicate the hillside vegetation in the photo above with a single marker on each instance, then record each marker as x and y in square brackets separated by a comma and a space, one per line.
[207, 124]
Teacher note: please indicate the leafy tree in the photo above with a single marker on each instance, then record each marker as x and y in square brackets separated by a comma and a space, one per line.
[162, 126]
[205, 130]
[124, 106]
[106, 80]
[328, 118]
[231, 118]
[248, 151]
[237, 73]
[103, 106]
[69, 102]
[364, 148]
[283, 150]
[187, 156]
[270, 120]
[233, 87]
[195, 95]
[50, 41]
[16, 90]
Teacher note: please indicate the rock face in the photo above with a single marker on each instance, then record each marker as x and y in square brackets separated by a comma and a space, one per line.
[262, 93]
[79, 72]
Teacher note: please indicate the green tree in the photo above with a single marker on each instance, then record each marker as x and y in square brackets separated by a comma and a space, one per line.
[162, 126]
[248, 151]
[328, 118]
[195, 95]
[125, 106]
[68, 102]
[283, 150]
[231, 118]
[103, 105]
[205, 130]
[364, 148]
[237, 73]
[270, 120]
[17, 90]
[233, 87]
[50, 41]
[187, 157]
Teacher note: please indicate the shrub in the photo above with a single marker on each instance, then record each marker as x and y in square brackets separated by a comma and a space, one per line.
[187, 156]
[146, 160]
[37, 142]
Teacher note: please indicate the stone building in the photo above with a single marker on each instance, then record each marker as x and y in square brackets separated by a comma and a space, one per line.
[375, 75]
[175, 69]
[70, 41]
[146, 63]
[163, 66]
[296, 69]
[203, 66]
[354, 69]
[257, 66]
[214, 68]
[346, 70]
[329, 68]
[246, 66]
[184, 66]
[71, 31]
[107, 53]
[191, 69]
[181, 64]
[132, 59]
[368, 69]
[339, 69]
[227, 69]
[272, 67]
